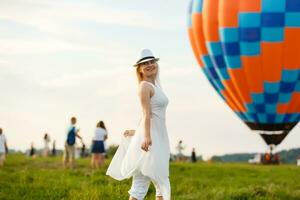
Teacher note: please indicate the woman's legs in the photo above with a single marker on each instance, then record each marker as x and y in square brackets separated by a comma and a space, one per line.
[97, 157]
[66, 157]
[2, 159]
[139, 188]
[101, 154]
[93, 160]
[98, 160]
[101, 160]
[158, 194]
[163, 189]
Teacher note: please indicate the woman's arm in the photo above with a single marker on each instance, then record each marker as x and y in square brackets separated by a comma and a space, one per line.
[105, 136]
[146, 92]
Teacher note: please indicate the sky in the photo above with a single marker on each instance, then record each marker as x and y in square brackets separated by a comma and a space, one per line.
[64, 58]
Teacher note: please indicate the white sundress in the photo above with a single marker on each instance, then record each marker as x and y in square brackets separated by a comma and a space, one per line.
[130, 159]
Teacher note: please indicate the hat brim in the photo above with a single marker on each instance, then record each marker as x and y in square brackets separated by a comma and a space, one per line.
[146, 60]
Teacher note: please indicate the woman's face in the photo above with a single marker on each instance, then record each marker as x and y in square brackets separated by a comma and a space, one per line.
[149, 68]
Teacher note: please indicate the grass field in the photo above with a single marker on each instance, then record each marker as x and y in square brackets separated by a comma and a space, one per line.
[44, 178]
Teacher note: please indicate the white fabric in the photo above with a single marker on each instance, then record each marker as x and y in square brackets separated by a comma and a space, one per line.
[100, 133]
[140, 186]
[180, 148]
[130, 159]
[2, 143]
[46, 143]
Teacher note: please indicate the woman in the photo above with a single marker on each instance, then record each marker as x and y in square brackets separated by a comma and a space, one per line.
[32, 151]
[98, 149]
[3, 148]
[144, 154]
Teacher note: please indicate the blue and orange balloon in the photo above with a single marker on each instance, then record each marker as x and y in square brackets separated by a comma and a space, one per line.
[250, 52]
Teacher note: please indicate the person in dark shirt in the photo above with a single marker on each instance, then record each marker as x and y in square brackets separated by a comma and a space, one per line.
[194, 157]
[32, 151]
[53, 148]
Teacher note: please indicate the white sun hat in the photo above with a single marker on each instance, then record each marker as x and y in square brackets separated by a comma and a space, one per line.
[145, 56]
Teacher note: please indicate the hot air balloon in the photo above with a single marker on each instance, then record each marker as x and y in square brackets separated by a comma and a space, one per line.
[249, 50]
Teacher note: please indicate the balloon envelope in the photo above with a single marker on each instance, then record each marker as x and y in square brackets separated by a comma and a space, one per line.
[250, 52]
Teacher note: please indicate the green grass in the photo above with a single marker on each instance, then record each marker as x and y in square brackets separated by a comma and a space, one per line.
[44, 178]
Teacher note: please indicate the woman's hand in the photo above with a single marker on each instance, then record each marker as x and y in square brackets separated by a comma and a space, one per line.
[146, 144]
[128, 133]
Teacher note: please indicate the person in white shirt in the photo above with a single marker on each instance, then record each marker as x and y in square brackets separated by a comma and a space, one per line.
[3, 147]
[46, 144]
[98, 148]
[180, 148]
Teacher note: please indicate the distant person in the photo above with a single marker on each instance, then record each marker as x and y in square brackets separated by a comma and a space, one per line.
[298, 161]
[193, 156]
[98, 147]
[54, 148]
[69, 152]
[3, 148]
[276, 158]
[271, 149]
[267, 158]
[180, 148]
[83, 150]
[32, 151]
[46, 145]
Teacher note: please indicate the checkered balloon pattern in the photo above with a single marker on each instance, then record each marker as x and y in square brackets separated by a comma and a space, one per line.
[249, 51]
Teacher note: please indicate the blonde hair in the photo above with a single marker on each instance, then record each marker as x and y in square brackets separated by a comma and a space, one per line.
[140, 77]
[139, 74]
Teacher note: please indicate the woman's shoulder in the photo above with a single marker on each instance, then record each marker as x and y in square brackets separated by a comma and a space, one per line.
[146, 86]
[99, 129]
[146, 83]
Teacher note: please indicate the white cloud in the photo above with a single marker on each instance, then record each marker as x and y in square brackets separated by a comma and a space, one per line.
[66, 80]
[56, 27]
[21, 46]
[49, 16]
